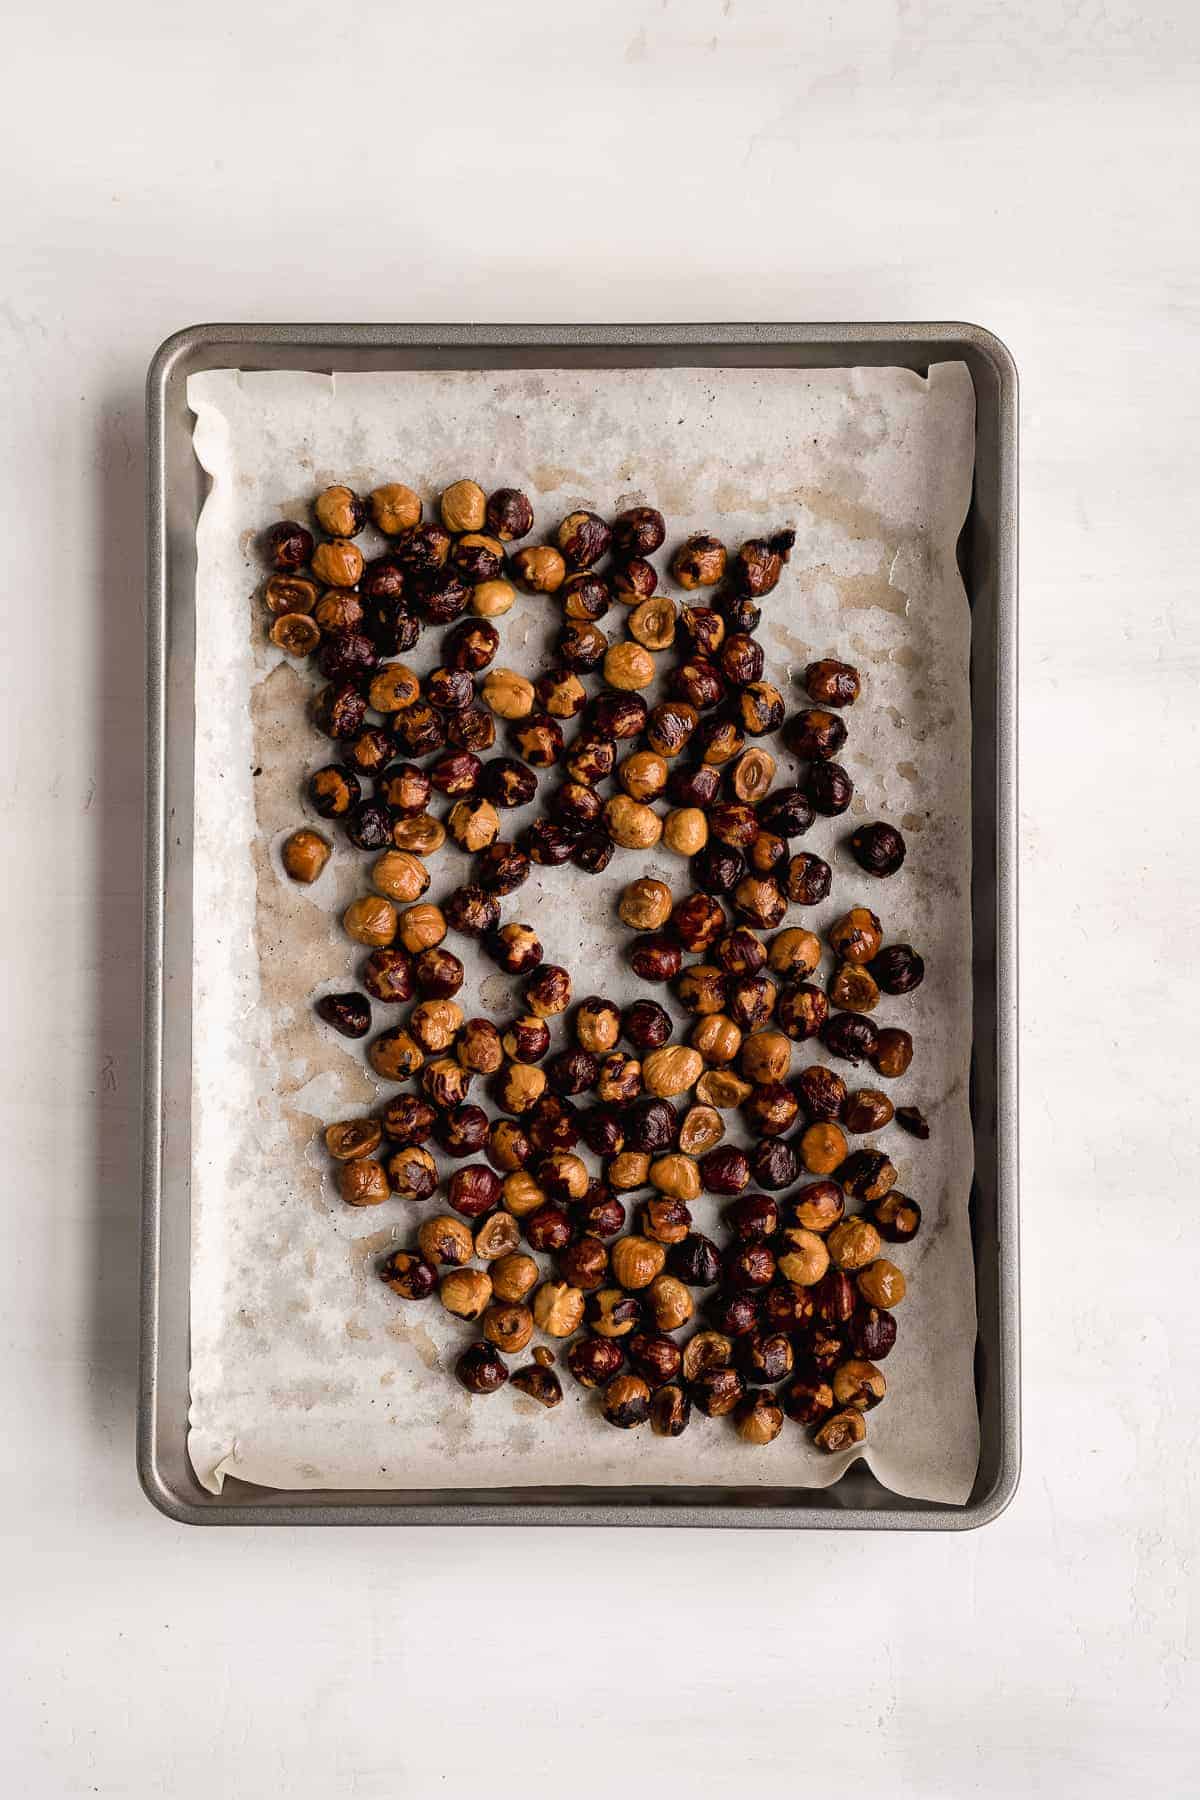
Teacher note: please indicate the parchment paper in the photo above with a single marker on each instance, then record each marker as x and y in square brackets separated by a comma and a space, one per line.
[306, 1371]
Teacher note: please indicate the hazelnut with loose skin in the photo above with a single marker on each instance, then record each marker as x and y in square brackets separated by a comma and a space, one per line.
[699, 562]
[897, 1218]
[626, 1402]
[759, 1419]
[857, 935]
[334, 791]
[722, 1089]
[803, 1259]
[819, 1206]
[540, 1383]
[866, 1110]
[841, 1432]
[593, 1361]
[509, 514]
[892, 1052]
[496, 1238]
[853, 989]
[878, 849]
[583, 537]
[717, 1391]
[873, 1333]
[519, 1087]
[446, 1240]
[548, 991]
[412, 1174]
[481, 1369]
[412, 1277]
[363, 1182]
[853, 1244]
[352, 1138]
[814, 735]
[701, 1129]
[289, 545]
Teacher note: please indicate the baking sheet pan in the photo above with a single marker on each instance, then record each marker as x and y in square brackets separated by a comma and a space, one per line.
[175, 494]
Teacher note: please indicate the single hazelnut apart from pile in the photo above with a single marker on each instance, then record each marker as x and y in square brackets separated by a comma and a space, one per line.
[305, 854]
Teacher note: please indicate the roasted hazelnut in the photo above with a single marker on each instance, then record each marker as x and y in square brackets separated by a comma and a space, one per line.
[444, 1080]
[721, 1088]
[740, 953]
[557, 1308]
[581, 646]
[456, 773]
[850, 1037]
[716, 869]
[548, 991]
[474, 824]
[550, 844]
[560, 693]
[656, 1357]
[749, 1266]
[519, 1087]
[878, 849]
[829, 788]
[628, 1170]
[420, 730]
[394, 508]
[412, 1173]
[786, 812]
[858, 1384]
[583, 537]
[602, 1130]
[819, 1206]
[626, 1402]
[699, 562]
[808, 1400]
[787, 1308]
[718, 740]
[866, 1110]
[751, 1218]
[741, 659]
[628, 666]
[572, 1072]
[765, 1356]
[703, 629]
[832, 683]
[670, 1411]
[463, 506]
[651, 1125]
[340, 512]
[548, 1228]
[669, 727]
[669, 1302]
[699, 683]
[671, 1070]
[701, 1129]
[334, 791]
[645, 904]
[597, 1024]
[803, 1259]
[491, 599]
[474, 1190]
[576, 806]
[463, 1131]
[836, 1300]
[508, 1145]
[774, 1164]
[733, 824]
[873, 1333]
[338, 564]
[369, 826]
[412, 1277]
[759, 899]
[304, 855]
[507, 782]
[370, 920]
[510, 696]
[352, 1138]
[822, 1148]
[913, 1120]
[759, 1418]
[513, 1275]
[612, 1313]
[717, 1391]
[438, 973]
[509, 514]
[694, 1260]
[435, 1024]
[760, 708]
[349, 1014]
[339, 710]
[766, 1056]
[408, 1120]
[443, 597]
[289, 545]
[698, 921]
[841, 1432]
[478, 1047]
[857, 935]
[678, 1177]
[593, 1361]
[757, 566]
[342, 610]
[400, 875]
[553, 1125]
[702, 989]
[445, 1240]
[584, 1264]
[814, 735]
[751, 1000]
[639, 531]
[537, 1382]
[620, 1078]
[808, 879]
[897, 1218]
[421, 835]
[472, 911]
[405, 788]
[540, 741]
[891, 1053]
[636, 1261]
[854, 1243]
[481, 1369]
[717, 1038]
[652, 623]
[898, 969]
[867, 1175]
[363, 1182]
[584, 599]
[539, 569]
[695, 784]
[478, 557]
[295, 634]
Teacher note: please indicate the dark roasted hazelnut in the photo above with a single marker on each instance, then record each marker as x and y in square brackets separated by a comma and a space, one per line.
[829, 788]
[786, 812]
[656, 1357]
[867, 1110]
[442, 597]
[873, 1333]
[600, 1212]
[593, 1361]
[819, 1206]
[698, 921]
[787, 1308]
[850, 1037]
[748, 1267]
[420, 730]
[411, 1276]
[898, 969]
[814, 735]
[593, 851]
[840, 1432]
[501, 868]
[634, 579]
[477, 557]
[808, 1400]
[456, 773]
[717, 869]
[821, 1092]
[619, 716]
[548, 991]
[390, 624]
[339, 710]
[481, 1369]
[668, 1219]
[462, 1131]
[289, 544]
[741, 658]
[836, 1297]
[408, 1120]
[626, 1402]
[897, 1218]
[832, 683]
[584, 599]
[734, 824]
[444, 1080]
[740, 952]
[423, 550]
[892, 1052]
[576, 806]
[382, 579]
[473, 1190]
[584, 1264]
[725, 1170]
[651, 1125]
[717, 1391]
[858, 1384]
[773, 1164]
[304, 855]
[527, 1039]
[560, 693]
[694, 785]
[913, 1120]
[878, 849]
[639, 531]
[602, 1129]
[507, 782]
[516, 948]
[620, 1079]
[670, 1411]
[539, 1383]
[718, 740]
[369, 826]
[371, 750]
[646, 1025]
[347, 656]
[695, 1260]
[699, 562]
[549, 1228]
[697, 682]
[549, 844]
[703, 630]
[438, 973]
[472, 911]
[583, 537]
[760, 708]
[739, 612]
[765, 1356]
[540, 740]
[751, 1218]
[612, 1313]
[853, 989]
[340, 609]
[350, 1014]
[412, 1173]
[758, 564]
[334, 791]
[470, 647]
[771, 1109]
[824, 1348]
[808, 879]
[508, 1145]
[572, 1072]
[581, 646]
[760, 899]
[405, 788]
[508, 514]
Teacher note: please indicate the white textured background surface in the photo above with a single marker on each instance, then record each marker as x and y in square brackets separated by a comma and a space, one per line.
[1031, 166]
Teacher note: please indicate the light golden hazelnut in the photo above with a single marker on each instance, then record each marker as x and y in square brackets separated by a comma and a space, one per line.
[514, 1276]
[597, 1025]
[445, 1082]
[628, 1170]
[474, 824]
[363, 1182]
[706, 1350]
[701, 1129]
[394, 688]
[766, 1056]
[636, 1261]
[677, 1175]
[467, 1293]
[823, 1148]
[421, 927]
[700, 562]
[752, 775]
[631, 825]
[539, 569]
[652, 623]
[671, 1304]
[628, 666]
[464, 506]
[564, 696]
[509, 695]
[794, 952]
[478, 1048]
[400, 875]
[671, 1070]
[305, 854]
[338, 564]
[723, 1089]
[489, 599]
[645, 904]
[435, 1024]
[508, 1325]
[717, 1038]
[295, 634]
[685, 830]
[370, 920]
[854, 989]
[498, 1236]
[804, 1258]
[351, 1138]
[557, 1309]
[339, 511]
[880, 1283]
[446, 1240]
[521, 1194]
[394, 508]
[421, 835]
[395, 1054]
[564, 1174]
[854, 1243]
[643, 775]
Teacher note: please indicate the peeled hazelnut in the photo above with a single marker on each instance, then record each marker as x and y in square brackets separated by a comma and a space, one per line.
[510, 696]
[412, 1173]
[363, 1182]
[497, 1237]
[514, 1276]
[446, 1240]
[880, 1284]
[699, 562]
[334, 791]
[794, 952]
[338, 564]
[766, 1056]
[491, 599]
[841, 1432]
[520, 1087]
[804, 1258]
[478, 1048]
[822, 1148]
[400, 875]
[539, 569]
[702, 989]
[701, 1129]
[857, 935]
[759, 1418]
[819, 1206]
[685, 831]
[758, 898]
[631, 825]
[557, 1308]
[445, 1081]
[474, 824]
[645, 904]
[677, 1176]
[295, 634]
[394, 508]
[341, 610]
[892, 1052]
[289, 594]
[670, 1410]
[760, 709]
[412, 1277]
[671, 1070]
[435, 1024]
[717, 1038]
[627, 667]
[620, 1079]
[507, 1324]
[636, 1261]
[626, 1402]
[722, 1089]
[467, 1293]
[652, 623]
[352, 1138]
[854, 1243]
[548, 991]
[853, 989]
[508, 1145]
[305, 854]
[464, 506]
[340, 512]
[628, 1170]
[370, 920]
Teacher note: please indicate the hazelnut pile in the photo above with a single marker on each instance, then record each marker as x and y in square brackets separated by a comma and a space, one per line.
[532, 1232]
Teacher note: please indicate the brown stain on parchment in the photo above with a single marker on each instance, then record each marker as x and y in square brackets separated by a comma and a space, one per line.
[907, 769]
[419, 1338]
[861, 593]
